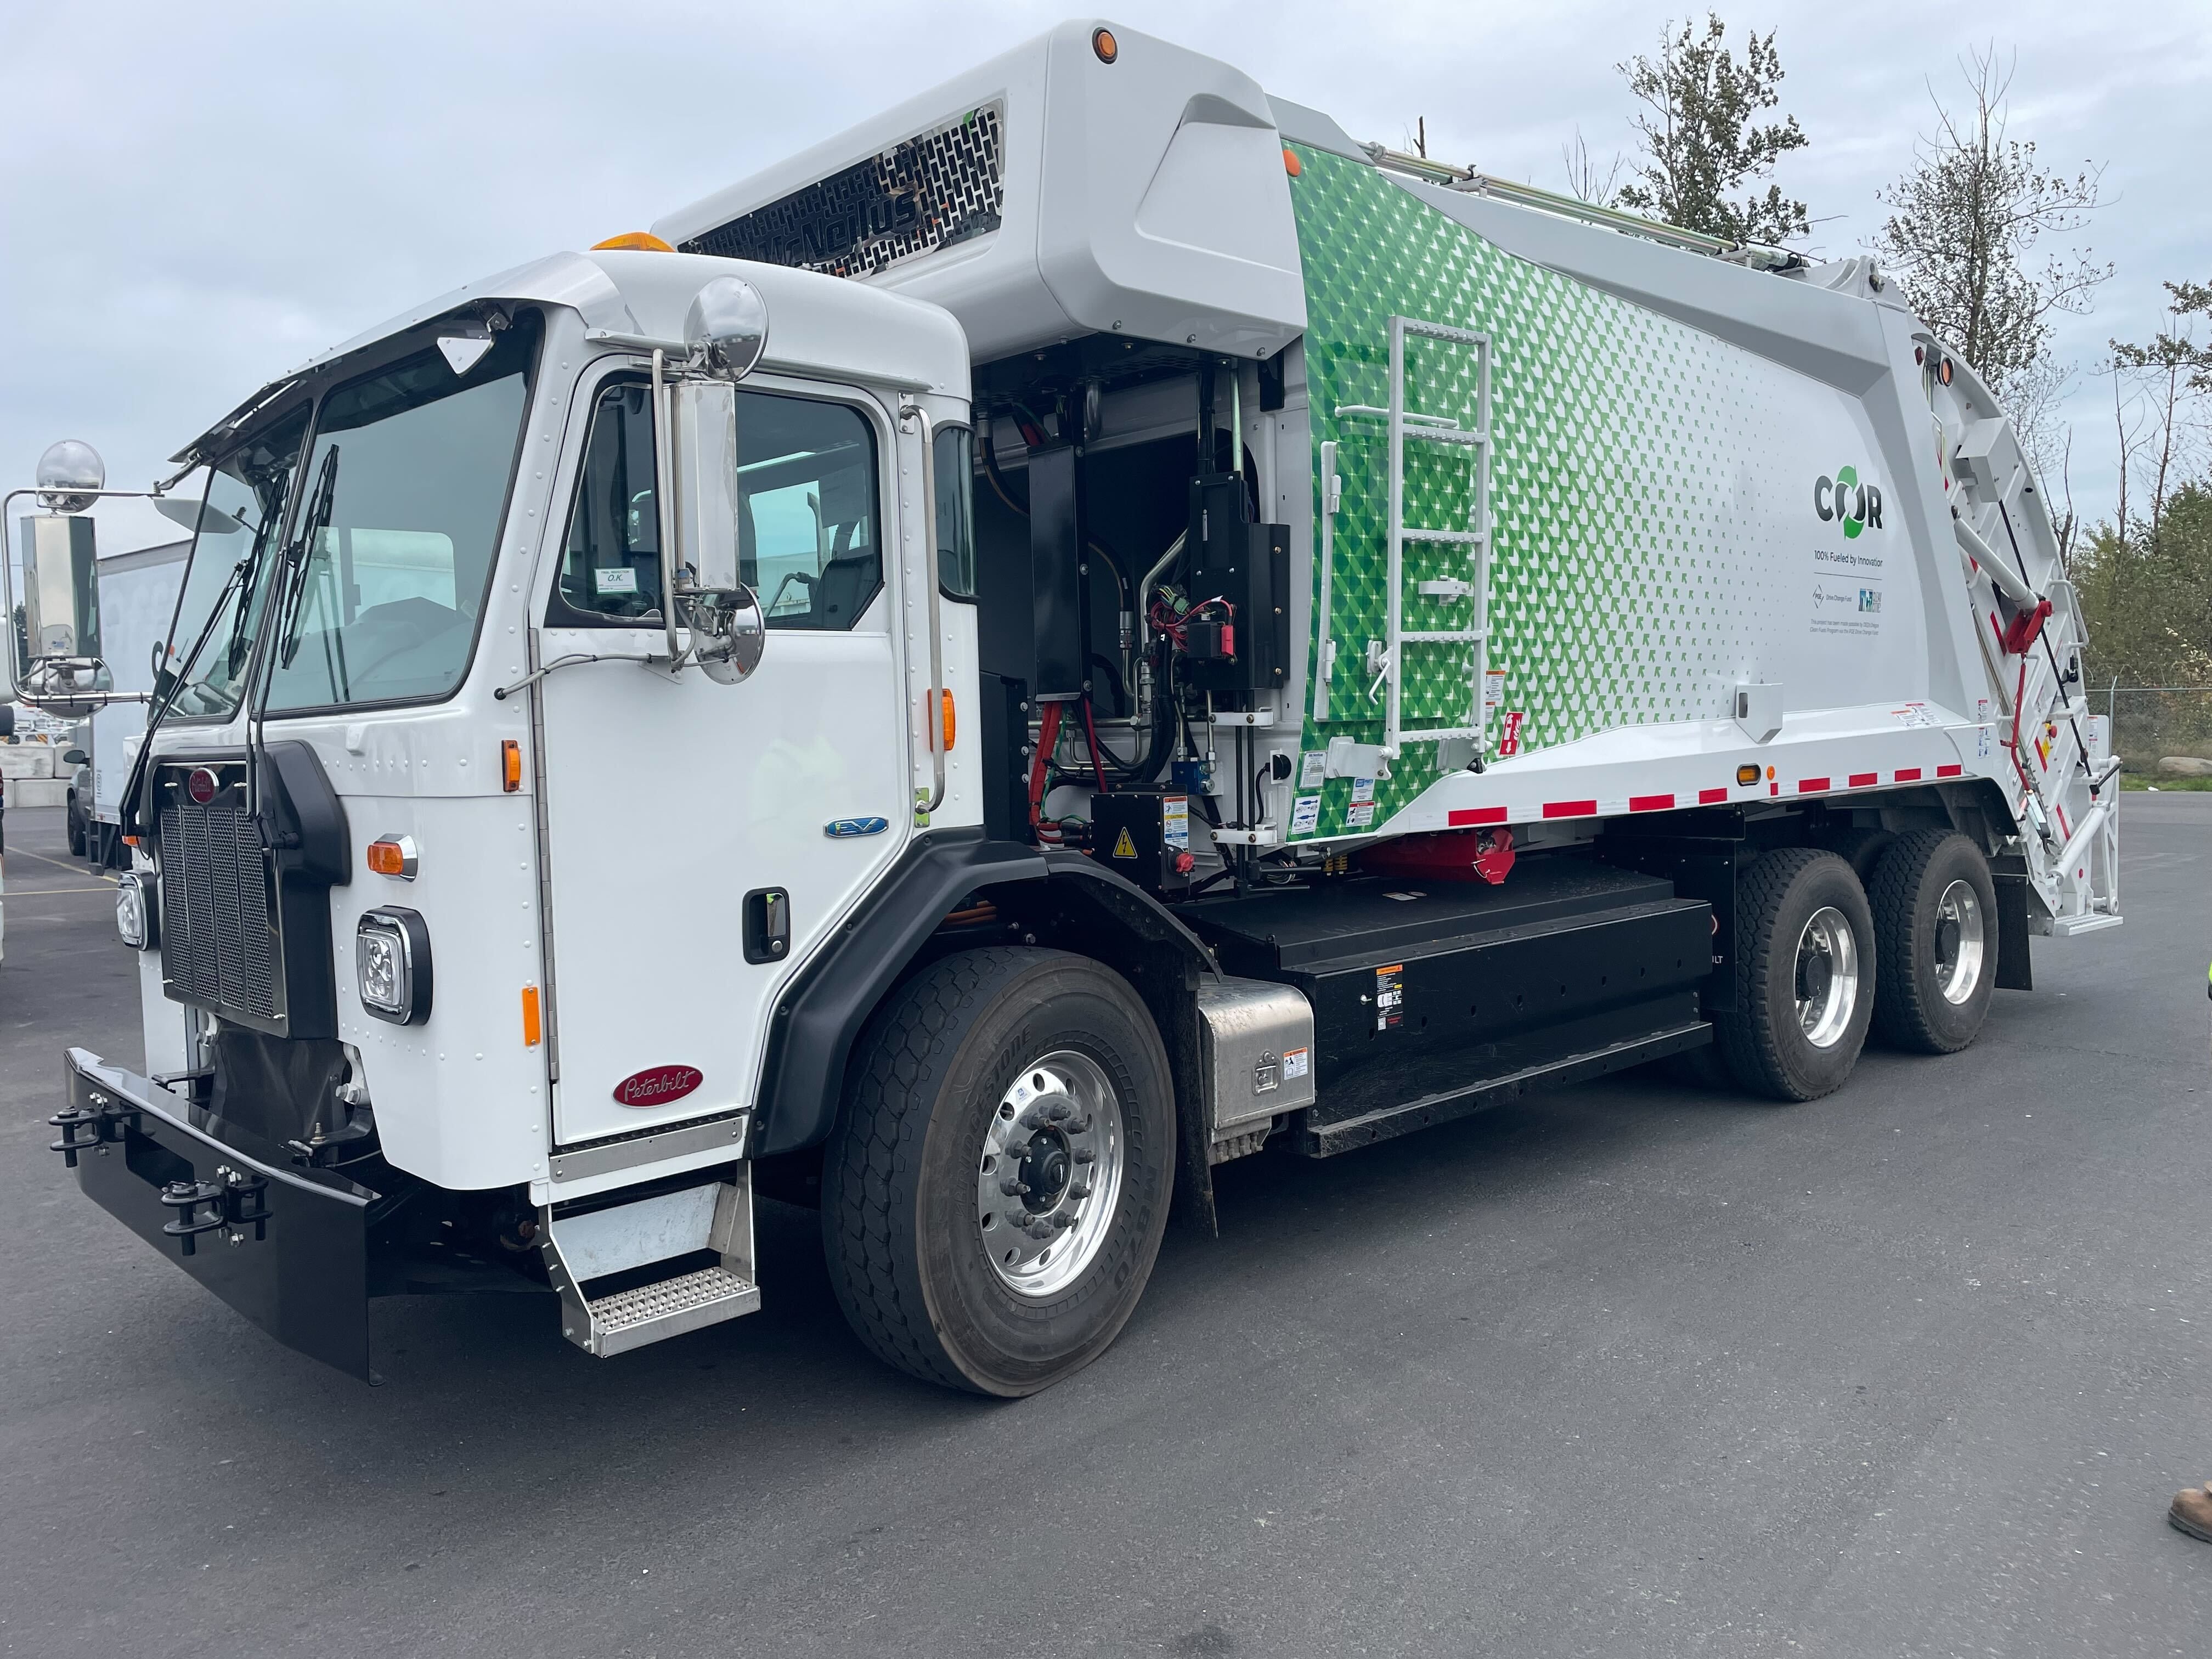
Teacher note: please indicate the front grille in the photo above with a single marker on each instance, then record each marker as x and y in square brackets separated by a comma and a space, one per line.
[939, 187]
[220, 948]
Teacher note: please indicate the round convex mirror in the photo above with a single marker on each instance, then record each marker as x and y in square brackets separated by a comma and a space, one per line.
[727, 325]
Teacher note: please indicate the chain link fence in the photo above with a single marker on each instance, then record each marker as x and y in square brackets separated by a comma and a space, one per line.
[2160, 731]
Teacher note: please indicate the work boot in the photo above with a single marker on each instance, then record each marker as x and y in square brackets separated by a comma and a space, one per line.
[2191, 1511]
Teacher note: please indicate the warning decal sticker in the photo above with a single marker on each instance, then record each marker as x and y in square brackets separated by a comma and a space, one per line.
[1389, 996]
[1123, 846]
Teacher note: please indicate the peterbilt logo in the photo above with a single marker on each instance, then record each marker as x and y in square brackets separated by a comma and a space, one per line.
[201, 785]
[657, 1084]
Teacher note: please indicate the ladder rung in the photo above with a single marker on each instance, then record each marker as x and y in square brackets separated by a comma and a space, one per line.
[1447, 589]
[1445, 636]
[1440, 435]
[1450, 538]
[1438, 733]
[1445, 331]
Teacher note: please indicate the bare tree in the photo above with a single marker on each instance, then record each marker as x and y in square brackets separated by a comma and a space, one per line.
[1965, 224]
[2168, 370]
[1586, 181]
[1699, 140]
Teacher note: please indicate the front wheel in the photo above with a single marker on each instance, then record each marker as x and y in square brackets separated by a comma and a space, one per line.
[1000, 1175]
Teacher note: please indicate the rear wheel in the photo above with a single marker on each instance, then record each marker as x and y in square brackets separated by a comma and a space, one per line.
[1000, 1175]
[1935, 933]
[1804, 940]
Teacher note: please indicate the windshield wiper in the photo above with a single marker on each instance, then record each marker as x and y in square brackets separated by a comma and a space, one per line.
[301, 555]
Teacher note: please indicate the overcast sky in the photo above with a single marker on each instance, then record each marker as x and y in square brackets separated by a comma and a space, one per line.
[198, 199]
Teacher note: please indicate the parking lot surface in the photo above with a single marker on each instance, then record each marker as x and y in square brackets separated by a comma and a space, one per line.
[1627, 1369]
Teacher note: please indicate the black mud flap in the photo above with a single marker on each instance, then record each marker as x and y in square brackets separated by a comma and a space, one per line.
[286, 1246]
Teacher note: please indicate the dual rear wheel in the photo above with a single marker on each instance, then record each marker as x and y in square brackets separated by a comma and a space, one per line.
[1821, 960]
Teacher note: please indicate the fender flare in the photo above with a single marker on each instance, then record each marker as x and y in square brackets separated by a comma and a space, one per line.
[821, 1013]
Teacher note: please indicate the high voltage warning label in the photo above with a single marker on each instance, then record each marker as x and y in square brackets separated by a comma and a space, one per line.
[1123, 846]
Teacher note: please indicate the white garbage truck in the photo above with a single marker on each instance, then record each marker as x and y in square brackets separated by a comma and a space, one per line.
[1160, 632]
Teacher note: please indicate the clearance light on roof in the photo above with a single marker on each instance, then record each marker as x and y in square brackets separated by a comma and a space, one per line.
[633, 241]
[1103, 43]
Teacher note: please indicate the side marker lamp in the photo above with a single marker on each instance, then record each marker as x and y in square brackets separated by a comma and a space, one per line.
[1103, 43]
[1746, 776]
[633, 241]
[510, 765]
[394, 855]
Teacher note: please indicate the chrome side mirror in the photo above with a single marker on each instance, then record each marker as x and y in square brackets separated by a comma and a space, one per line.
[728, 631]
[61, 588]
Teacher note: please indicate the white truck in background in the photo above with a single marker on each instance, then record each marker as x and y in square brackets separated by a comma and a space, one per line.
[138, 593]
[1169, 632]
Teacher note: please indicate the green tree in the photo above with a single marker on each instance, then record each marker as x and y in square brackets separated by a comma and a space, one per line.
[1701, 142]
[1962, 234]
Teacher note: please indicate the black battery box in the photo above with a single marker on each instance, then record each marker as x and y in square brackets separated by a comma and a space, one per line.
[1145, 835]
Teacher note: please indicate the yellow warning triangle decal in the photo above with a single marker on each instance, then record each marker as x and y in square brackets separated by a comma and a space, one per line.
[1123, 846]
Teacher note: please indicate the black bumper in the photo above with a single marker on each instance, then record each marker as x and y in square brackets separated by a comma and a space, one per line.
[286, 1245]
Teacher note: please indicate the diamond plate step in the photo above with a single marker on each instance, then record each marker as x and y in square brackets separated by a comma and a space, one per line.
[648, 1313]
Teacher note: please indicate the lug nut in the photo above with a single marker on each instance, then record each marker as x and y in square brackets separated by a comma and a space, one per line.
[1063, 1218]
[1085, 1155]
[1059, 1112]
[1012, 1188]
[1079, 1189]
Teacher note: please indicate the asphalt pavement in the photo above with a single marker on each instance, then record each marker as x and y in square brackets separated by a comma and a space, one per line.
[1627, 1369]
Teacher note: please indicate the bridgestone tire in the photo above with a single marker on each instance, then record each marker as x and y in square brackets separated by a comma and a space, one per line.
[1764, 1043]
[899, 1219]
[1910, 1010]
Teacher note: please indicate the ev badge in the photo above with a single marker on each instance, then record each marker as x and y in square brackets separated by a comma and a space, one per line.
[840, 828]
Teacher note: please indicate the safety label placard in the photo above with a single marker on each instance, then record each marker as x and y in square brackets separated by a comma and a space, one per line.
[1175, 820]
[1389, 996]
[1305, 815]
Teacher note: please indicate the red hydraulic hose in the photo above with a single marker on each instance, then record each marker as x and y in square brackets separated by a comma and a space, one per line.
[1047, 739]
[1097, 765]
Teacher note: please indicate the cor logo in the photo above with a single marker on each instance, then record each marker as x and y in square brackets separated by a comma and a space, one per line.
[1843, 496]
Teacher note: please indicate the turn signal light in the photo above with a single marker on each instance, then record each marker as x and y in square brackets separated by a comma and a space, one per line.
[510, 765]
[393, 856]
[950, 725]
[1746, 775]
[633, 241]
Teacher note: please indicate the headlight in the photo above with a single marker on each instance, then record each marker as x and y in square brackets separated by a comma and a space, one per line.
[392, 965]
[134, 910]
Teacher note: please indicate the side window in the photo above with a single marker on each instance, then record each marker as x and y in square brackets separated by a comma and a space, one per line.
[611, 565]
[955, 511]
[807, 522]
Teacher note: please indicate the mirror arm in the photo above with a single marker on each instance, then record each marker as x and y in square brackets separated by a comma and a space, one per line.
[664, 492]
[934, 712]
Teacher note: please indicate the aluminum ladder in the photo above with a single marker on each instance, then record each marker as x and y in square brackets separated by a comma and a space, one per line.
[1386, 656]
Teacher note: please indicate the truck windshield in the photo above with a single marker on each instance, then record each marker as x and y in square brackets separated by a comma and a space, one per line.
[241, 523]
[418, 458]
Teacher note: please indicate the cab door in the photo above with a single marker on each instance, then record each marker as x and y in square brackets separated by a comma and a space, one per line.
[676, 808]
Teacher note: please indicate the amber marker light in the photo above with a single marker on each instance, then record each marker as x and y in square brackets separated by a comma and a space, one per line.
[510, 765]
[633, 241]
[533, 1022]
[1746, 775]
[950, 725]
[1103, 43]
[393, 855]
[1291, 161]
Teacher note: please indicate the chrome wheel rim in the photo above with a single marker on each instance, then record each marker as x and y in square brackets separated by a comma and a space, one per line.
[1828, 977]
[1960, 934]
[1049, 1174]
